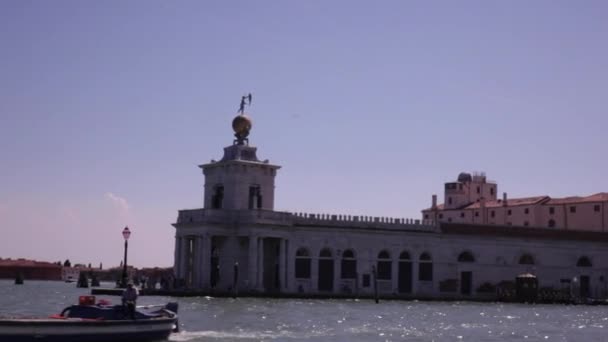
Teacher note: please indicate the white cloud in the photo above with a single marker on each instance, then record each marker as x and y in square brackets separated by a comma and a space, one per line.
[120, 202]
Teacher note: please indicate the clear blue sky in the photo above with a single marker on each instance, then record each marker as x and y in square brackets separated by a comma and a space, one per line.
[107, 108]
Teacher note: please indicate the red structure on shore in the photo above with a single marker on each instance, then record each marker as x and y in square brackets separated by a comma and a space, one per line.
[29, 269]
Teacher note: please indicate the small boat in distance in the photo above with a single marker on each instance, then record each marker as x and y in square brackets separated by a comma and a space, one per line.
[91, 322]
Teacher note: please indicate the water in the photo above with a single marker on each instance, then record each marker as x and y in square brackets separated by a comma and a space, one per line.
[261, 319]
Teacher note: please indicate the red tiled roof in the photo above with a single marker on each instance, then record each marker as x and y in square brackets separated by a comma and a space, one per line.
[511, 202]
[599, 197]
[439, 207]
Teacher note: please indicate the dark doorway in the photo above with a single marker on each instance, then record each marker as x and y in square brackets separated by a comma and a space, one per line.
[405, 277]
[271, 265]
[405, 273]
[585, 292]
[466, 283]
[326, 271]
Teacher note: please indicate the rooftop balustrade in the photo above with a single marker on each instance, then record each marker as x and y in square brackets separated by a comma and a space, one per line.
[257, 216]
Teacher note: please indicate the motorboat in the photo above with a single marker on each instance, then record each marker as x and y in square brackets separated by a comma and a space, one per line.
[94, 322]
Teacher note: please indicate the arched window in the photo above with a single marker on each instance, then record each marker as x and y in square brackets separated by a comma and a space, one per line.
[583, 262]
[526, 259]
[303, 264]
[255, 197]
[425, 267]
[551, 223]
[404, 256]
[349, 265]
[466, 256]
[384, 266]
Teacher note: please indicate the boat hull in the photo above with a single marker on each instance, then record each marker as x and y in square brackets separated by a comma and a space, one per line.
[75, 330]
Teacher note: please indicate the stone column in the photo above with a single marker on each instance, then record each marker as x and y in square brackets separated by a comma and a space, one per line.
[205, 267]
[198, 261]
[282, 265]
[337, 271]
[184, 257]
[177, 262]
[286, 266]
[252, 263]
[190, 259]
[395, 274]
[314, 271]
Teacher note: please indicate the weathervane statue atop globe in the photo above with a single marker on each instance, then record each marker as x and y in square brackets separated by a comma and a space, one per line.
[241, 124]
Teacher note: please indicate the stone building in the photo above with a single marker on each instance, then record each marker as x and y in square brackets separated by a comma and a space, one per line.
[238, 241]
[472, 199]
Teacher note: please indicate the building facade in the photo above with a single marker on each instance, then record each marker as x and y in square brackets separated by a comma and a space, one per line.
[238, 242]
[29, 269]
[472, 199]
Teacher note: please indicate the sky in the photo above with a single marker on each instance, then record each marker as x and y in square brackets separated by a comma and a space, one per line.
[107, 108]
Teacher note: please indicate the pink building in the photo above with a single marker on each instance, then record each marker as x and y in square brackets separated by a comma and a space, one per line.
[473, 199]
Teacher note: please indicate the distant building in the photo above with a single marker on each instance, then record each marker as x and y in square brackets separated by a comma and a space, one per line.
[30, 269]
[473, 199]
[113, 273]
[70, 274]
[155, 277]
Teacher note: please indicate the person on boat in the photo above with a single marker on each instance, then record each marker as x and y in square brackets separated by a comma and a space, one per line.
[129, 298]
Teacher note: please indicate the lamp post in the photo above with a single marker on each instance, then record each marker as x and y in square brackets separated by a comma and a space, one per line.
[125, 234]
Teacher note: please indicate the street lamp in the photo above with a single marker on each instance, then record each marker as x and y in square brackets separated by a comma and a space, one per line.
[125, 234]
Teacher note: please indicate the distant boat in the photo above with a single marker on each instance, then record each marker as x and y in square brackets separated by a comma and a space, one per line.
[70, 280]
[87, 322]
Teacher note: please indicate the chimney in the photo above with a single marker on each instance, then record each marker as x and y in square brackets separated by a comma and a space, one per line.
[504, 199]
[434, 202]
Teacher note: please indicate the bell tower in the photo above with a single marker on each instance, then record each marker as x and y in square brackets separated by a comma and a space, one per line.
[240, 181]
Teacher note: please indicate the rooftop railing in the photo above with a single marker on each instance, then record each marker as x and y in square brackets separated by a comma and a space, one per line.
[220, 216]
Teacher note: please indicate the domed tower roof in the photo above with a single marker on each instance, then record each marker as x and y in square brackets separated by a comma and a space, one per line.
[464, 177]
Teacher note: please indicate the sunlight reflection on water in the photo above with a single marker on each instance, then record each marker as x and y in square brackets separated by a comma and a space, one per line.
[262, 319]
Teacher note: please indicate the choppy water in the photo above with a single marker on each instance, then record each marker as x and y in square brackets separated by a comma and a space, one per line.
[260, 319]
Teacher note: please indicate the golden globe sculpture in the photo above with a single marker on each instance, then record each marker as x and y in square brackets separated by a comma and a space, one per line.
[241, 125]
